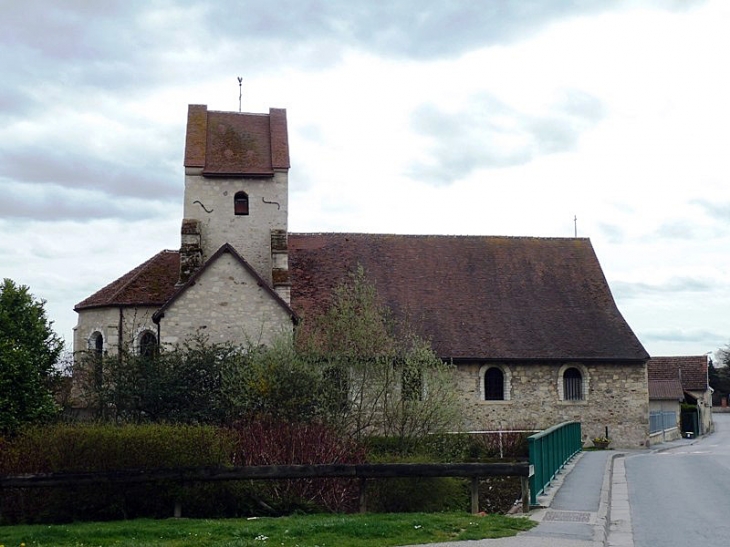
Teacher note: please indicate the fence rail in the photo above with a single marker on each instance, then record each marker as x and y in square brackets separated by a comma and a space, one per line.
[550, 450]
[277, 472]
[660, 420]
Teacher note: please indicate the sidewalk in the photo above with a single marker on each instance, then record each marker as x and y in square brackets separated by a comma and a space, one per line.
[586, 506]
[573, 512]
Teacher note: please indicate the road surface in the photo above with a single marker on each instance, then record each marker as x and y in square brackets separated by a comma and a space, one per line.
[681, 496]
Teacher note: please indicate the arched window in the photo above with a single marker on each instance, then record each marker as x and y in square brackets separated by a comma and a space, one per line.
[493, 384]
[147, 344]
[240, 203]
[96, 343]
[572, 384]
[96, 347]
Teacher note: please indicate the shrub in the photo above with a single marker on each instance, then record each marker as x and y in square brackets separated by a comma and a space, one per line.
[267, 441]
[419, 494]
[67, 448]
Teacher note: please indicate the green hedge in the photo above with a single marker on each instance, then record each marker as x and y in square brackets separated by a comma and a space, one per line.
[89, 448]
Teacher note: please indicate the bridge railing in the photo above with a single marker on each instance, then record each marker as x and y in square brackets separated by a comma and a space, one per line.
[550, 450]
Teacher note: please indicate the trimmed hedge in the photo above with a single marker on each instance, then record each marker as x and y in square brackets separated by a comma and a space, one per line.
[262, 441]
[89, 448]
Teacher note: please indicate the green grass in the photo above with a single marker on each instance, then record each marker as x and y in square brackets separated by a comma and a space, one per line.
[370, 530]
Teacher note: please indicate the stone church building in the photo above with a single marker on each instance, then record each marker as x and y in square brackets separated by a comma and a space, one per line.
[529, 323]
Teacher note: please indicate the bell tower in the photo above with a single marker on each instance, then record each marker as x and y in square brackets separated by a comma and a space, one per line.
[237, 191]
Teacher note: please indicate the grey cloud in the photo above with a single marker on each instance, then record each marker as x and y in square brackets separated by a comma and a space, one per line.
[413, 29]
[625, 290]
[491, 134]
[613, 233]
[678, 335]
[718, 211]
[126, 47]
[697, 337]
[72, 169]
[679, 230]
[54, 203]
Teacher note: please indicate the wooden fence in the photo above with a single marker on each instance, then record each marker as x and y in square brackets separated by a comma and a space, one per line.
[362, 472]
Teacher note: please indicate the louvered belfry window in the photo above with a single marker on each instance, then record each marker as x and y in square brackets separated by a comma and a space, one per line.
[240, 203]
[572, 385]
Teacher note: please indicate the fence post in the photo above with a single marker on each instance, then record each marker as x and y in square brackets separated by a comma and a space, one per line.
[363, 495]
[525, 486]
[474, 495]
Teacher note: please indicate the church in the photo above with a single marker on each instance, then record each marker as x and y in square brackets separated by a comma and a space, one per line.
[529, 323]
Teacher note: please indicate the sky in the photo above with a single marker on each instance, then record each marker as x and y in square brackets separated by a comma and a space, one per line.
[608, 120]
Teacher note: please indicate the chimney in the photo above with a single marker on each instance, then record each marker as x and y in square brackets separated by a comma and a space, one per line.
[191, 251]
[280, 265]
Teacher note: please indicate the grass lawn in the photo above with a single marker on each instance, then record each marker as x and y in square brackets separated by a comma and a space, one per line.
[327, 530]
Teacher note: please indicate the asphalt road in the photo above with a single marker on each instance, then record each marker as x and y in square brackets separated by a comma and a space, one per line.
[681, 496]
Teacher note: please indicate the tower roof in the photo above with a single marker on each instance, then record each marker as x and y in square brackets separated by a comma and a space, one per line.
[235, 143]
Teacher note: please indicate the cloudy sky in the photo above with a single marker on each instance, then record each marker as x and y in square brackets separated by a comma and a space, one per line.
[491, 117]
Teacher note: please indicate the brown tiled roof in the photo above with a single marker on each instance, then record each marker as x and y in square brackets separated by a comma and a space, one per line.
[477, 297]
[665, 390]
[235, 143]
[690, 370]
[149, 284]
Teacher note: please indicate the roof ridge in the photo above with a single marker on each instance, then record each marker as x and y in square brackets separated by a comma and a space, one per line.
[444, 236]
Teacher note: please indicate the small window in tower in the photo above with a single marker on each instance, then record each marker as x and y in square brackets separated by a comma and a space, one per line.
[240, 203]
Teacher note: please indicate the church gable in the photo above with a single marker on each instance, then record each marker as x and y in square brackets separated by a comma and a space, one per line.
[226, 301]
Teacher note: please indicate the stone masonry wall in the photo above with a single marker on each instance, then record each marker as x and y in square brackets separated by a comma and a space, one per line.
[226, 304]
[134, 321]
[249, 234]
[616, 396]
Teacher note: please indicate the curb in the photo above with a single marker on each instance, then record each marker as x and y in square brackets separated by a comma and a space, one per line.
[603, 518]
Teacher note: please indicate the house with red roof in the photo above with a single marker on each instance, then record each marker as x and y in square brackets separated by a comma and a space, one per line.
[675, 380]
[529, 323]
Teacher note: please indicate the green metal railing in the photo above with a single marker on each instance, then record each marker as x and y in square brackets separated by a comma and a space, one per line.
[550, 450]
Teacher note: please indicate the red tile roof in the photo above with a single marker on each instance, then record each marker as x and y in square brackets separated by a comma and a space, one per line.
[149, 284]
[235, 143]
[665, 390]
[477, 297]
[473, 297]
[690, 370]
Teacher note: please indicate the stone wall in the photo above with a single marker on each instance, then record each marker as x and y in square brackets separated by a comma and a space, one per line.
[107, 321]
[226, 304]
[210, 201]
[616, 396]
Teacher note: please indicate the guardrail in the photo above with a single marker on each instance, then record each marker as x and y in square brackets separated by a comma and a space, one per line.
[274, 472]
[550, 450]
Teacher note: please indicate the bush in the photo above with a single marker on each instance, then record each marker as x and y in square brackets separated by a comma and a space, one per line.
[420, 494]
[66, 448]
[267, 441]
[456, 447]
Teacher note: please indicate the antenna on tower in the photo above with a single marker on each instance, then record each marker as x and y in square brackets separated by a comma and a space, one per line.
[240, 92]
